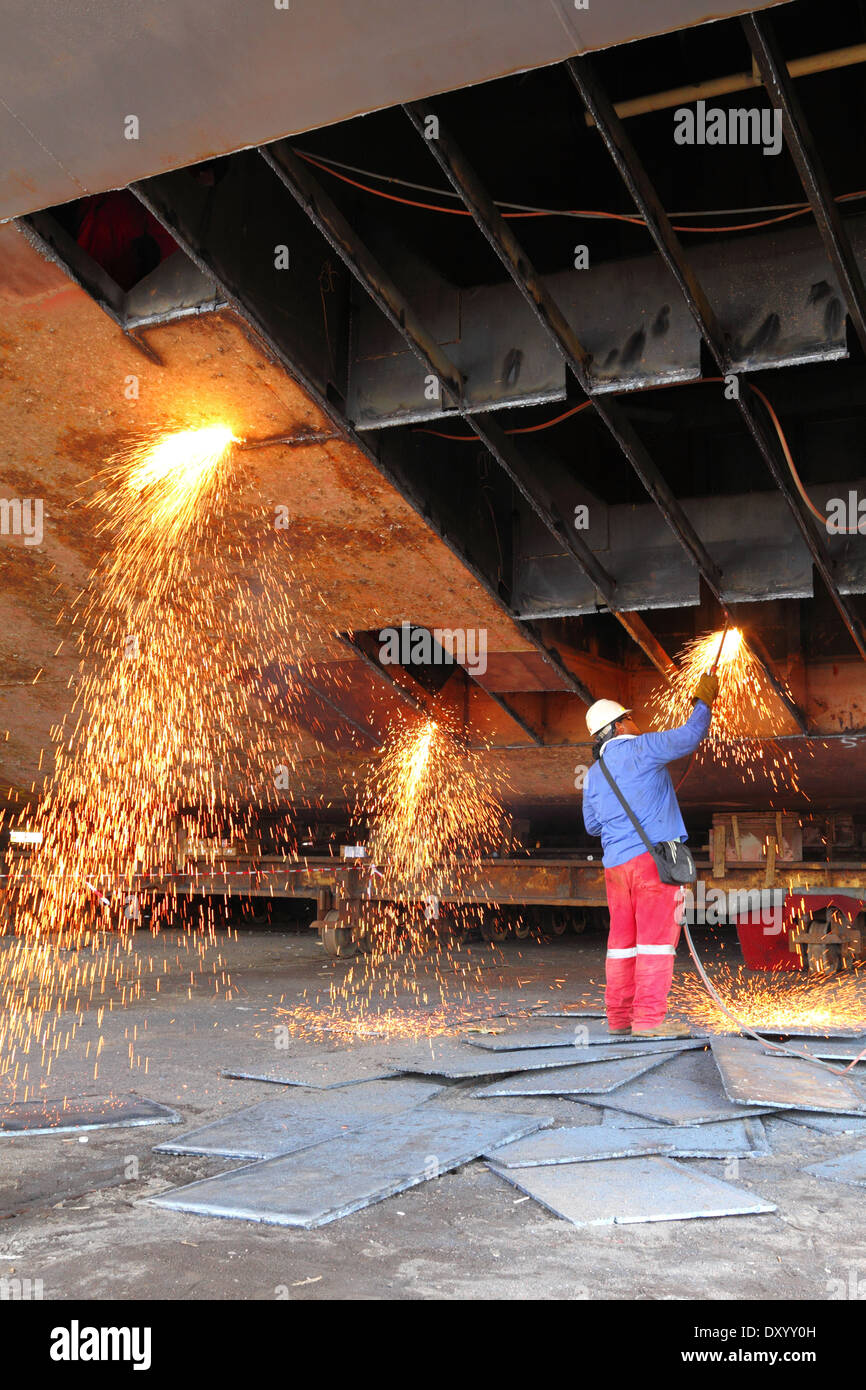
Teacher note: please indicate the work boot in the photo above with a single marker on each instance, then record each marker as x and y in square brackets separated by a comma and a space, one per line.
[619, 1032]
[663, 1030]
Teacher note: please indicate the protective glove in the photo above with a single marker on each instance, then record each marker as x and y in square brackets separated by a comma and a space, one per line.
[706, 689]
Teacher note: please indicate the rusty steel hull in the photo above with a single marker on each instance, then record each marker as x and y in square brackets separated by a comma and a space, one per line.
[71, 74]
[373, 558]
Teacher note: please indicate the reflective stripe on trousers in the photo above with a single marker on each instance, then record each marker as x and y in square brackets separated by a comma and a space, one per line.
[631, 951]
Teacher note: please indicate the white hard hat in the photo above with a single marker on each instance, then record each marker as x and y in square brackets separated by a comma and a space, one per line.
[602, 713]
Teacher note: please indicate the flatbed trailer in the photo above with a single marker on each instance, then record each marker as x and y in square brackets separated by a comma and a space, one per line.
[789, 913]
[801, 907]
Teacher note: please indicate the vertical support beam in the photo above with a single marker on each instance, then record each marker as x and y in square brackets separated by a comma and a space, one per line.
[518, 719]
[646, 200]
[780, 88]
[153, 197]
[504, 243]
[326, 216]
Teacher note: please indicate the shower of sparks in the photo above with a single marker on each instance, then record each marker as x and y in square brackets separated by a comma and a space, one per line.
[779, 1002]
[433, 810]
[745, 712]
[194, 591]
[433, 807]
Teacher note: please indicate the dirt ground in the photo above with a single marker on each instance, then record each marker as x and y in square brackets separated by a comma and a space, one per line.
[72, 1213]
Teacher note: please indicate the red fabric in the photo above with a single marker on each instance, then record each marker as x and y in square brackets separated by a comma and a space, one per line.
[110, 227]
[644, 914]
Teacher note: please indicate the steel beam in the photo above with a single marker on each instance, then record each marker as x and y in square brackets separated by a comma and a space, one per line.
[326, 216]
[151, 196]
[640, 633]
[364, 731]
[370, 662]
[548, 882]
[658, 224]
[780, 88]
[412, 700]
[518, 719]
[53, 242]
[551, 658]
[553, 321]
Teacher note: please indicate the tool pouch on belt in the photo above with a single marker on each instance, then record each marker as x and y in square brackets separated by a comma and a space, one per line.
[671, 857]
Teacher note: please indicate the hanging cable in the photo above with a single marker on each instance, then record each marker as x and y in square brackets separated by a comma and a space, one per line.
[520, 210]
[524, 429]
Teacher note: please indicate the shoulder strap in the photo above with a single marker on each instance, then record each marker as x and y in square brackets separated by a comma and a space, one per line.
[625, 806]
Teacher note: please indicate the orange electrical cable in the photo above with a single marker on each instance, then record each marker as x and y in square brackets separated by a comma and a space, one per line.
[633, 220]
[788, 459]
[464, 212]
[777, 425]
[662, 386]
[380, 193]
[746, 226]
[524, 429]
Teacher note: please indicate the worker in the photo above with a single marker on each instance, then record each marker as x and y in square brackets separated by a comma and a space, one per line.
[645, 913]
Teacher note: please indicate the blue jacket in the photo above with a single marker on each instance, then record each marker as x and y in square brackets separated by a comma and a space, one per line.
[638, 763]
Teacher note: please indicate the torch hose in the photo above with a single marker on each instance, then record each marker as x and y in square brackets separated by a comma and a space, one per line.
[721, 644]
[707, 982]
[743, 1028]
[712, 672]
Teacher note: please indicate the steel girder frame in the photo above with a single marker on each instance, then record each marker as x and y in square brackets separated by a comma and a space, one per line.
[419, 706]
[153, 195]
[327, 217]
[780, 88]
[517, 263]
[648, 204]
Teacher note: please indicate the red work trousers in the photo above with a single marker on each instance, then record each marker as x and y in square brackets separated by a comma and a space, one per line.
[645, 920]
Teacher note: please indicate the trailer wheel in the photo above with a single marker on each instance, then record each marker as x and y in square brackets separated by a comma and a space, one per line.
[558, 924]
[493, 928]
[522, 928]
[455, 929]
[338, 941]
[823, 959]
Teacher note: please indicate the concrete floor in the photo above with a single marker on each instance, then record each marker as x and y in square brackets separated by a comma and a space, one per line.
[72, 1216]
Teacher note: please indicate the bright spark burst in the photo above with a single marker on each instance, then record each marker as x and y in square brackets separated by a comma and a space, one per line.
[434, 808]
[780, 1001]
[182, 464]
[746, 711]
[194, 591]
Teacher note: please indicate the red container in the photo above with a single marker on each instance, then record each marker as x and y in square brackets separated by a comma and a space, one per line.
[763, 946]
[766, 949]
